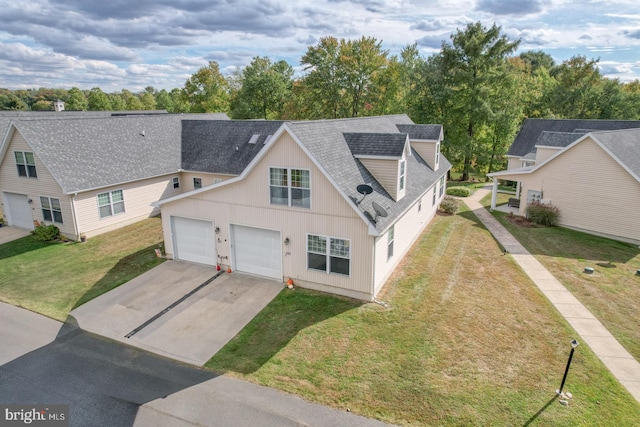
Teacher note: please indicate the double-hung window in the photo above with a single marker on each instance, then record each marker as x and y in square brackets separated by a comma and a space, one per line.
[402, 174]
[390, 238]
[26, 164]
[290, 187]
[110, 203]
[197, 183]
[176, 182]
[435, 189]
[328, 254]
[51, 210]
[441, 185]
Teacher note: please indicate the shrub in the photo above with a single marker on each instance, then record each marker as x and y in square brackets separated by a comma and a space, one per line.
[46, 232]
[543, 214]
[449, 205]
[459, 191]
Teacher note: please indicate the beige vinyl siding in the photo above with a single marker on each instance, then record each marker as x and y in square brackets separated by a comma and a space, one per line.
[407, 229]
[514, 163]
[186, 179]
[592, 191]
[386, 172]
[138, 197]
[543, 153]
[44, 185]
[426, 150]
[247, 203]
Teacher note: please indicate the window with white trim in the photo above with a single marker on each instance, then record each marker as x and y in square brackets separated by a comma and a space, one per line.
[51, 210]
[402, 174]
[437, 153]
[176, 182]
[111, 203]
[217, 180]
[435, 190]
[329, 254]
[197, 183]
[390, 238]
[441, 185]
[26, 164]
[290, 187]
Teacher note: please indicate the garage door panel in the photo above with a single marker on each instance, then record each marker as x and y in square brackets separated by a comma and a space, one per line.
[257, 251]
[18, 210]
[194, 240]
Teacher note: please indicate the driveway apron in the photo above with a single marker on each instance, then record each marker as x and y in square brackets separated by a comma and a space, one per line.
[9, 234]
[193, 330]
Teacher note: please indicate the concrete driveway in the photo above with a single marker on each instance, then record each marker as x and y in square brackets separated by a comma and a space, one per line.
[8, 234]
[193, 330]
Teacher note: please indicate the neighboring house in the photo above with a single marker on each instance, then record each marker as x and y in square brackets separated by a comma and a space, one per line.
[294, 203]
[88, 173]
[593, 178]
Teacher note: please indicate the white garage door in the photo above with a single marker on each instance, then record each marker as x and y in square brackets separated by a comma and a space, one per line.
[193, 240]
[257, 251]
[18, 210]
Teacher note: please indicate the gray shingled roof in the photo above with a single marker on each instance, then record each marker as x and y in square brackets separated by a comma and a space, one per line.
[325, 140]
[558, 139]
[625, 146]
[526, 139]
[88, 153]
[421, 132]
[376, 144]
[223, 146]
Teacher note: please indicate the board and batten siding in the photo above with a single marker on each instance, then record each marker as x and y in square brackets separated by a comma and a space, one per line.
[247, 203]
[44, 185]
[407, 229]
[138, 197]
[592, 191]
[543, 153]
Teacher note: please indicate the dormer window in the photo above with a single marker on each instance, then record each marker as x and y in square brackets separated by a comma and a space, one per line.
[402, 174]
[437, 153]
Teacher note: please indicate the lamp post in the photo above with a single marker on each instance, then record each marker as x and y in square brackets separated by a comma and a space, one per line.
[574, 344]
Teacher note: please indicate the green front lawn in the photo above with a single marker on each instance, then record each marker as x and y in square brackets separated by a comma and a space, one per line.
[611, 293]
[54, 278]
[467, 340]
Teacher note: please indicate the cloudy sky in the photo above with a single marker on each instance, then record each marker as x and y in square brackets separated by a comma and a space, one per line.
[116, 44]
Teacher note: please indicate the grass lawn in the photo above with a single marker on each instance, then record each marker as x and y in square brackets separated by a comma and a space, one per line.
[54, 278]
[612, 293]
[467, 340]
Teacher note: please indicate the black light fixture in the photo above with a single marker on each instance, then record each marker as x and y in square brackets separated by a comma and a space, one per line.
[574, 344]
[286, 241]
[217, 230]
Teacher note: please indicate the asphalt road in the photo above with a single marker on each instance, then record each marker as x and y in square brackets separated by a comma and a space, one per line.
[103, 382]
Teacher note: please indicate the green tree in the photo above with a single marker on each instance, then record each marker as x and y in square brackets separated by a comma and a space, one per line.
[98, 100]
[148, 100]
[42, 105]
[118, 102]
[537, 59]
[179, 101]
[207, 90]
[474, 67]
[323, 84]
[164, 101]
[576, 94]
[9, 101]
[76, 100]
[264, 89]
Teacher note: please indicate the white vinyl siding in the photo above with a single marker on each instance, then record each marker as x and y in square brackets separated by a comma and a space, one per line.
[111, 203]
[329, 254]
[51, 210]
[290, 187]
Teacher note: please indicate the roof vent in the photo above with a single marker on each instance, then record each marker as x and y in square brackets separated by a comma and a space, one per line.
[267, 139]
[254, 138]
[142, 133]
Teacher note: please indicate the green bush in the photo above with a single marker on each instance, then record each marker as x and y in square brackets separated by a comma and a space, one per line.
[458, 191]
[449, 205]
[46, 233]
[543, 214]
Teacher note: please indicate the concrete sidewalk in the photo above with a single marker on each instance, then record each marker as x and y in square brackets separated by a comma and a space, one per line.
[621, 364]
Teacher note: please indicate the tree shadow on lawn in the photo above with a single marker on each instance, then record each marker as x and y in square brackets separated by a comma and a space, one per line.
[275, 326]
[126, 269]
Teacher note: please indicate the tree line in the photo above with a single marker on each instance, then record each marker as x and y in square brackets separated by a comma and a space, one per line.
[475, 86]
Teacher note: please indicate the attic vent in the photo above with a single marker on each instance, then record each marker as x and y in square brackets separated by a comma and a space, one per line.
[267, 139]
[254, 138]
[143, 133]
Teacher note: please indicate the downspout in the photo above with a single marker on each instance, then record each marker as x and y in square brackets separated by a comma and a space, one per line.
[74, 215]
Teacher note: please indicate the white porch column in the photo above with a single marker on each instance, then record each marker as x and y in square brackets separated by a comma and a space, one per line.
[494, 193]
[518, 190]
